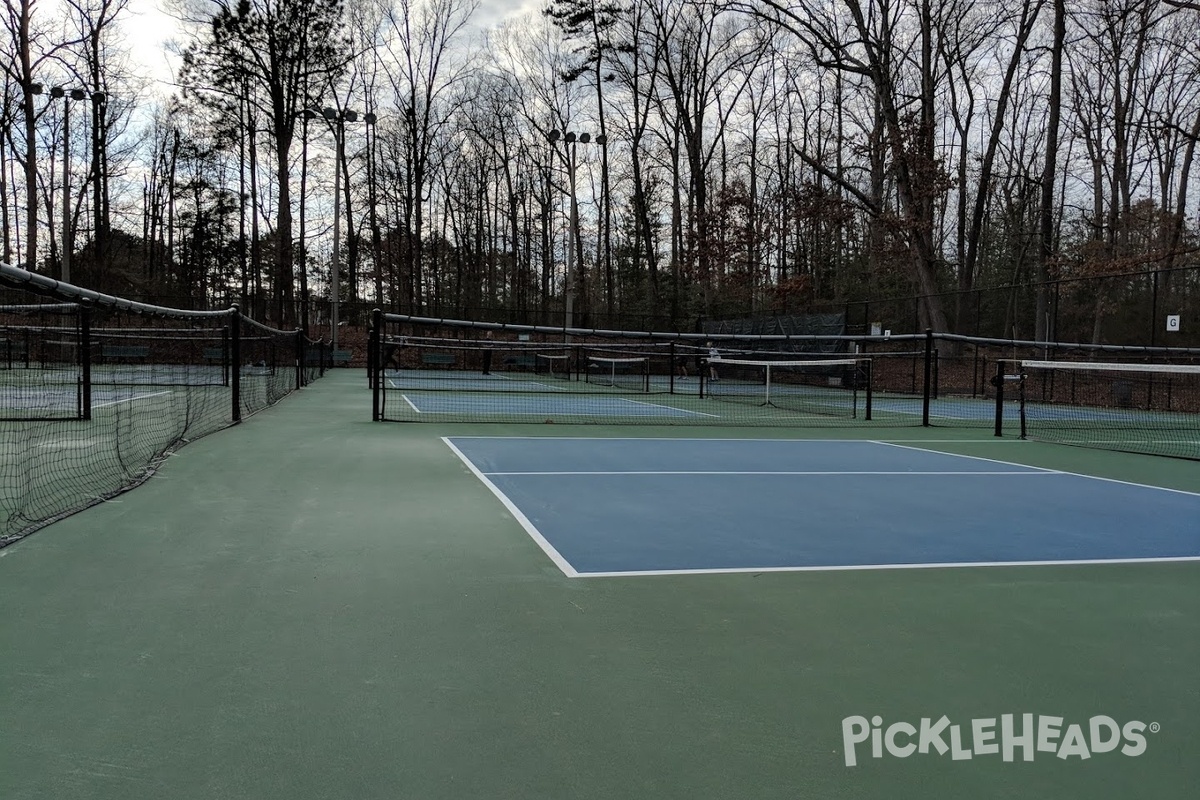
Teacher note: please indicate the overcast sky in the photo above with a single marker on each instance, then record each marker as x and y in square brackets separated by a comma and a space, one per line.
[150, 29]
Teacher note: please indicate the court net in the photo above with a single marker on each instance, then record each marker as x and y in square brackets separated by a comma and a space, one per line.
[428, 369]
[1133, 407]
[831, 387]
[435, 370]
[95, 390]
[630, 373]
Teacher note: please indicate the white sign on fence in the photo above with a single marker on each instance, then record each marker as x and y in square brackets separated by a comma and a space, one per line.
[1173, 323]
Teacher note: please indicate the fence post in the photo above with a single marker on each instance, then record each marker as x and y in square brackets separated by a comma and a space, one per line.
[674, 368]
[374, 342]
[1154, 310]
[85, 361]
[235, 360]
[928, 377]
[870, 388]
[225, 356]
[998, 382]
[1021, 395]
[299, 358]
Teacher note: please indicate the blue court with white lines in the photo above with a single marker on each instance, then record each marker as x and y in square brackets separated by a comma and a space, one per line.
[604, 507]
[536, 406]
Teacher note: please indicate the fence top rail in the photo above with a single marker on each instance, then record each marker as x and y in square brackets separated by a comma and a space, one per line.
[664, 335]
[1106, 348]
[253, 323]
[1105, 367]
[39, 308]
[778, 337]
[17, 278]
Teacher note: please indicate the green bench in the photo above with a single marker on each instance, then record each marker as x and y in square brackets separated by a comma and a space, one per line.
[341, 357]
[214, 354]
[437, 359]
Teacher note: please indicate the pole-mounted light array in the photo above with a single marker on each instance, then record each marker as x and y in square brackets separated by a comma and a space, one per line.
[337, 119]
[570, 139]
[65, 94]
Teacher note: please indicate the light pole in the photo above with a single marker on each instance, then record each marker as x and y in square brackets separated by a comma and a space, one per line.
[337, 119]
[69, 94]
[569, 141]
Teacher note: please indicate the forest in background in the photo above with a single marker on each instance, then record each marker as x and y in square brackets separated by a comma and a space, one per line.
[1013, 169]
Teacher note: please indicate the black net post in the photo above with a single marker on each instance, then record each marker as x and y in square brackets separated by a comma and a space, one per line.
[674, 369]
[85, 362]
[299, 352]
[235, 360]
[299, 358]
[373, 361]
[998, 382]
[1021, 394]
[928, 377]
[377, 356]
[870, 380]
[937, 374]
[225, 356]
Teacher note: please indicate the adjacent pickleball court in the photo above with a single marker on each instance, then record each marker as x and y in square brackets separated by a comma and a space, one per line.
[648, 506]
[539, 406]
[454, 395]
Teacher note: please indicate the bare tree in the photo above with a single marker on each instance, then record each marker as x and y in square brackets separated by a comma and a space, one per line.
[424, 65]
[899, 67]
[281, 48]
[29, 51]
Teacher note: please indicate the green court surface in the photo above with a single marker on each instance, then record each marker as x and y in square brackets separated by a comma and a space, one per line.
[312, 605]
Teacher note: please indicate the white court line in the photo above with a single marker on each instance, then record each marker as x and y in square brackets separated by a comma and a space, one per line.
[129, 399]
[526, 380]
[542, 385]
[410, 403]
[1023, 469]
[520, 517]
[741, 439]
[1057, 472]
[785, 472]
[668, 408]
[864, 567]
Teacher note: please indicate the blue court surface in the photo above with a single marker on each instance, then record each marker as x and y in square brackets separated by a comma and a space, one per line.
[544, 406]
[654, 506]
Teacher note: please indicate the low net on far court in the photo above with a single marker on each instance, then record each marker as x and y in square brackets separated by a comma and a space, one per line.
[834, 387]
[439, 370]
[95, 390]
[627, 373]
[472, 363]
[1151, 408]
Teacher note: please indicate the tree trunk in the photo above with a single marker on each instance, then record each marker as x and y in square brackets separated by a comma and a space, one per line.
[1042, 330]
